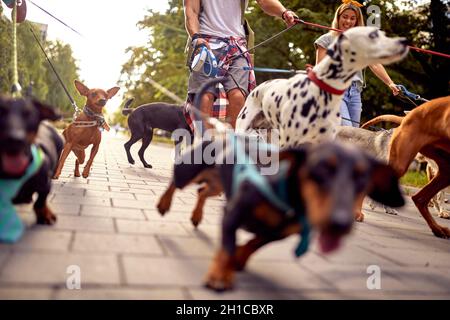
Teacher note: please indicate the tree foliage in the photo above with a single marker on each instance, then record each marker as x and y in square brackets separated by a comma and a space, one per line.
[426, 26]
[34, 71]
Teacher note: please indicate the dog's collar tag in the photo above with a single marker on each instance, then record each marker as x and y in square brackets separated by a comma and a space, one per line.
[322, 85]
[11, 227]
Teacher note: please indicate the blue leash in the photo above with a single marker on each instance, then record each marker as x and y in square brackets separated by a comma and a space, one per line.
[410, 95]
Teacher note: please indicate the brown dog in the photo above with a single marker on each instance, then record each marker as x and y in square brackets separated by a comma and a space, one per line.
[86, 129]
[425, 129]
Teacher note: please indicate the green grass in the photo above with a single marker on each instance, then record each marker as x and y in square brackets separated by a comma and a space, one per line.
[414, 179]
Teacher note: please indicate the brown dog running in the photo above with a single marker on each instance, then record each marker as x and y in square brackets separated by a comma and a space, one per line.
[79, 137]
[425, 129]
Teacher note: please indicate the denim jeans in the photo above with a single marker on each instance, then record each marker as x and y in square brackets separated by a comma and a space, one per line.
[351, 106]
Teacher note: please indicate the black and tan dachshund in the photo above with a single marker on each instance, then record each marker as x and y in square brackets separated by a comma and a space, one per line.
[26, 141]
[319, 188]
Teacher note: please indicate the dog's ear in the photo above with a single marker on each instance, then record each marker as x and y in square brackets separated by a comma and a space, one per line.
[82, 89]
[296, 156]
[385, 187]
[112, 92]
[46, 112]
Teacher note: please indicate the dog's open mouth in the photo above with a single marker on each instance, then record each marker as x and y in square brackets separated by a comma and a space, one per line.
[329, 241]
[15, 164]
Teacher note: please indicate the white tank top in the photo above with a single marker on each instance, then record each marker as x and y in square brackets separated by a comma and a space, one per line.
[221, 18]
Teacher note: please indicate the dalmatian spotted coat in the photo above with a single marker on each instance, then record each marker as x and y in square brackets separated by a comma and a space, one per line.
[306, 110]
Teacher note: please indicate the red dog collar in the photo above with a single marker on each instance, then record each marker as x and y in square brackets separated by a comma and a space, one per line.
[322, 85]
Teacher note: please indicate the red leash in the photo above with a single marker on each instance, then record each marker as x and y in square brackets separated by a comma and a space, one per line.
[411, 47]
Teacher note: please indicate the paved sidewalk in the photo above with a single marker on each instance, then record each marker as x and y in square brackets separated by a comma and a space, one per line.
[108, 226]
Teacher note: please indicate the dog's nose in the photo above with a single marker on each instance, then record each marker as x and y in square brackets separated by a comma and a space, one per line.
[341, 221]
[102, 102]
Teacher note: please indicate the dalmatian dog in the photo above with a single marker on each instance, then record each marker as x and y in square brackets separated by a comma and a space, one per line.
[305, 108]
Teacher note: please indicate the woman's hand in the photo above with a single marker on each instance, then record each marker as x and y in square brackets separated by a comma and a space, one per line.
[289, 17]
[395, 90]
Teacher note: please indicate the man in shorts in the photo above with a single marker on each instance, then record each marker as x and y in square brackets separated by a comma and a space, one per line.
[219, 25]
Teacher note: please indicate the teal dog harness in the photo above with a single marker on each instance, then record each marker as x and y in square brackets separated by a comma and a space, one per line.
[245, 170]
[11, 227]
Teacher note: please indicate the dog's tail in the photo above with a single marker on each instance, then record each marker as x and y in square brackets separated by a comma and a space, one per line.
[126, 111]
[386, 118]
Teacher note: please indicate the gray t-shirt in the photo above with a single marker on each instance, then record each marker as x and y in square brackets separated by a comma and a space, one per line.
[221, 18]
[324, 41]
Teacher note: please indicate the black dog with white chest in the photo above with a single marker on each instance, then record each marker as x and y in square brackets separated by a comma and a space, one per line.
[29, 152]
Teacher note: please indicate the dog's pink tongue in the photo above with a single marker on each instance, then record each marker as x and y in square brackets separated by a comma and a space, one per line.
[15, 164]
[328, 242]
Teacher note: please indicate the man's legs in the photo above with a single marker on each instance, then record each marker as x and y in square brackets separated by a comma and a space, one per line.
[206, 106]
[236, 101]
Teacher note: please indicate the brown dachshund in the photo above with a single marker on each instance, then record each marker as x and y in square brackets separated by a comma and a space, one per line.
[86, 129]
[425, 129]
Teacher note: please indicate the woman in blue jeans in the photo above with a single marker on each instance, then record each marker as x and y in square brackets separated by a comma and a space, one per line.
[347, 16]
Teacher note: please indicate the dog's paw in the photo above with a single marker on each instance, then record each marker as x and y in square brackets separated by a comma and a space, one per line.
[221, 273]
[163, 206]
[359, 217]
[391, 211]
[55, 177]
[196, 218]
[219, 281]
[148, 166]
[441, 232]
[45, 216]
[77, 174]
[444, 215]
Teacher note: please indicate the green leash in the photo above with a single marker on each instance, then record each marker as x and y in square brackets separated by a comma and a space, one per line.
[11, 227]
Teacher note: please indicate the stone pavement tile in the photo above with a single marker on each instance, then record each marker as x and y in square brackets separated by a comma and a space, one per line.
[279, 275]
[94, 177]
[172, 216]
[412, 257]
[116, 243]
[85, 187]
[187, 247]
[136, 204]
[11, 293]
[108, 194]
[142, 186]
[71, 209]
[84, 224]
[418, 244]
[205, 231]
[351, 254]
[47, 268]
[418, 280]
[147, 193]
[69, 191]
[93, 211]
[351, 277]
[93, 201]
[108, 183]
[164, 271]
[124, 293]
[43, 239]
[150, 227]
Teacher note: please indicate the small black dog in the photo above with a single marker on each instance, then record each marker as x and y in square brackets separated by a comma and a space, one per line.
[29, 152]
[147, 117]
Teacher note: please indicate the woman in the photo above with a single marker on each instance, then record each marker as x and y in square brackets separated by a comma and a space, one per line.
[347, 16]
